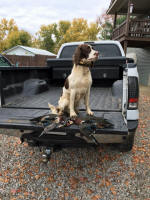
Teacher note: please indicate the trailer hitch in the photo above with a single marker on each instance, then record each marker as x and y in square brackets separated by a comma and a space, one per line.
[47, 154]
[47, 151]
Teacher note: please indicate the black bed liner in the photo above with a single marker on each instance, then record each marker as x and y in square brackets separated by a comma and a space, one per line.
[101, 99]
[20, 119]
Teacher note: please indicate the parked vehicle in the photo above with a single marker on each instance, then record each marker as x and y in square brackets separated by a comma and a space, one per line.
[4, 61]
[25, 93]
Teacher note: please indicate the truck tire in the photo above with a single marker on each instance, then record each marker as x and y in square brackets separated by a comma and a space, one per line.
[128, 144]
[34, 86]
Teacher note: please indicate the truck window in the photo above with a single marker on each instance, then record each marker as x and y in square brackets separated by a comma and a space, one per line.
[68, 51]
[4, 62]
[105, 50]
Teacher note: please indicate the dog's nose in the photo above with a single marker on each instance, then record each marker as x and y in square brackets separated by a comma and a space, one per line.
[96, 53]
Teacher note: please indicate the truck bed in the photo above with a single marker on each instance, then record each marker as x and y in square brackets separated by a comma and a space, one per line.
[101, 99]
[21, 101]
[20, 109]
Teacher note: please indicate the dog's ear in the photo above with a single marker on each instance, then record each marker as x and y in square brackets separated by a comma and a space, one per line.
[77, 55]
[82, 51]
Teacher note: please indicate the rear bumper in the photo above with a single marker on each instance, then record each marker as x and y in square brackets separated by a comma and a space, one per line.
[110, 138]
[132, 115]
[132, 125]
[76, 140]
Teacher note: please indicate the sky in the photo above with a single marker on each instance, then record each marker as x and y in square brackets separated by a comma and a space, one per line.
[31, 14]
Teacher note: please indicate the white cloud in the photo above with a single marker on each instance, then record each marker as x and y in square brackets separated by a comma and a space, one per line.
[30, 15]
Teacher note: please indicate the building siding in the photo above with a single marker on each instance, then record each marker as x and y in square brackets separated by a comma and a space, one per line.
[22, 61]
[143, 64]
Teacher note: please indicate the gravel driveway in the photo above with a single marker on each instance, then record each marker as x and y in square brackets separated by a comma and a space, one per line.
[77, 174]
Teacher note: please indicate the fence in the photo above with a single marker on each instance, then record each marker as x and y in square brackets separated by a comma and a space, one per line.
[37, 60]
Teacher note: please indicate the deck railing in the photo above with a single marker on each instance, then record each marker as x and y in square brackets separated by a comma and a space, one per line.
[119, 31]
[137, 28]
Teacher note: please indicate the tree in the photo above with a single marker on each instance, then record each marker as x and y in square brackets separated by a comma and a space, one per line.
[51, 37]
[10, 35]
[15, 38]
[81, 31]
[25, 38]
[63, 26]
[47, 36]
[120, 19]
[6, 27]
[93, 31]
[77, 31]
[106, 25]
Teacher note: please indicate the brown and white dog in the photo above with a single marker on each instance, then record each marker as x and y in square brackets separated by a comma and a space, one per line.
[78, 84]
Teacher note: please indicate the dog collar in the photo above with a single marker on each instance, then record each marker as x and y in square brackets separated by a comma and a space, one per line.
[86, 63]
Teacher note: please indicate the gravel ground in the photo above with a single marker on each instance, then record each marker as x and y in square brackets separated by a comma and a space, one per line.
[76, 174]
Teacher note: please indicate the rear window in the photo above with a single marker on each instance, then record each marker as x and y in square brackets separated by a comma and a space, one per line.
[105, 50]
[4, 62]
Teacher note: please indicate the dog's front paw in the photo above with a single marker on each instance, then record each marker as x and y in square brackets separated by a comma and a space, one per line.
[89, 112]
[77, 111]
[73, 115]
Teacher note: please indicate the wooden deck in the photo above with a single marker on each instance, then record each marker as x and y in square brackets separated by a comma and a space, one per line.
[137, 35]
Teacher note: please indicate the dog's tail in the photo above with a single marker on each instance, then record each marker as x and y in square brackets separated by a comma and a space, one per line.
[54, 109]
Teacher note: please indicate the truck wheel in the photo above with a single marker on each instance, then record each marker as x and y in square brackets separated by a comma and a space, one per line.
[127, 146]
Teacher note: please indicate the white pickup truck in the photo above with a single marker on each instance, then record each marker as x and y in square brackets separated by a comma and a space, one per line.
[26, 91]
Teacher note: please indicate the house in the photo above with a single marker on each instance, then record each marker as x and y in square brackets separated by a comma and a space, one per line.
[134, 32]
[28, 56]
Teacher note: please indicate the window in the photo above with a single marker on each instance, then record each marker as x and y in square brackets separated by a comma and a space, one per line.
[105, 50]
[68, 51]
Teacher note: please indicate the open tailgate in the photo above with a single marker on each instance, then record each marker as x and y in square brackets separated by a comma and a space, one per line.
[11, 118]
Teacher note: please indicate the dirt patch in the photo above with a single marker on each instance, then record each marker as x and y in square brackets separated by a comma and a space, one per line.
[145, 90]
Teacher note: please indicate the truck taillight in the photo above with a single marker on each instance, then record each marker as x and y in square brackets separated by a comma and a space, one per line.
[133, 92]
[133, 103]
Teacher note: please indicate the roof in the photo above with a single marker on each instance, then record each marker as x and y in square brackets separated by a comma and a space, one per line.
[96, 41]
[32, 50]
[121, 7]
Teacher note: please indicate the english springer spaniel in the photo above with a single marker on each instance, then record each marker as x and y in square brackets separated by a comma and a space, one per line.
[78, 84]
